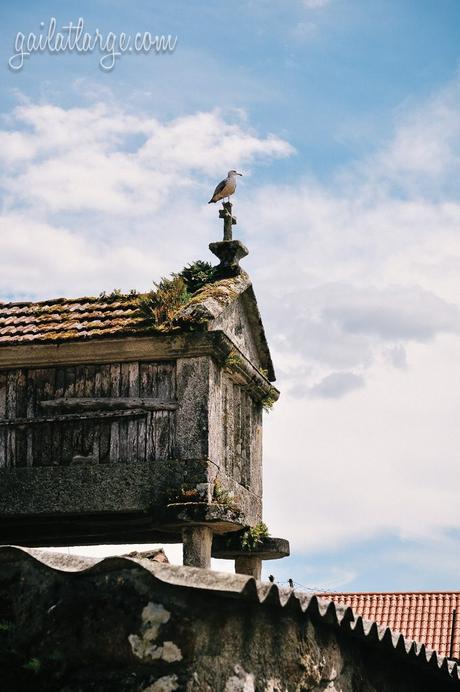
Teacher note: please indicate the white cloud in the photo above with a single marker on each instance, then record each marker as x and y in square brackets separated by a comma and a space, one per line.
[109, 161]
[357, 280]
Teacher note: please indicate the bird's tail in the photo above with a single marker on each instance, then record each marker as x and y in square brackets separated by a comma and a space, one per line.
[212, 201]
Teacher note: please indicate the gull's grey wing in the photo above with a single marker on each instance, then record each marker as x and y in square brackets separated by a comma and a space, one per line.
[220, 187]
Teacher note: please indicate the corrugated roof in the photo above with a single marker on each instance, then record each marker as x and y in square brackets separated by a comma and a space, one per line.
[426, 617]
[247, 588]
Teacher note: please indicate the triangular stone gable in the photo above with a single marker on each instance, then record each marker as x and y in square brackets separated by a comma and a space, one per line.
[241, 321]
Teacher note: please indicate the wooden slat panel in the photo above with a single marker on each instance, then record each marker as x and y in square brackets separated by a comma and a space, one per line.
[81, 418]
[103, 387]
[67, 429]
[57, 428]
[21, 411]
[89, 425]
[133, 391]
[11, 400]
[115, 390]
[77, 443]
[164, 387]
[102, 403]
[96, 425]
[47, 431]
[147, 389]
[123, 425]
[41, 437]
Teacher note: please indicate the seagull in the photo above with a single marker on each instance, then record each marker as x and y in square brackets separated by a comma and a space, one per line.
[225, 188]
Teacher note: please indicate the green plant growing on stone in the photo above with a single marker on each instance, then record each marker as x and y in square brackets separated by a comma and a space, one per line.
[232, 361]
[196, 275]
[5, 626]
[33, 664]
[268, 401]
[222, 496]
[252, 537]
[159, 306]
[263, 372]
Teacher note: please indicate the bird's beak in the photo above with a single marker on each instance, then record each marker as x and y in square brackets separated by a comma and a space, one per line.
[239, 174]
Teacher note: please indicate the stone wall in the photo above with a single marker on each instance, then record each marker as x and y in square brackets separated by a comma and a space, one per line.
[134, 625]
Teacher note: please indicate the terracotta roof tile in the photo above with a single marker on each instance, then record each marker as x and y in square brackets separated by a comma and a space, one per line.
[427, 617]
[68, 319]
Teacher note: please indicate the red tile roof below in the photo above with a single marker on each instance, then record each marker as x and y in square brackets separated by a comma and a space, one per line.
[426, 617]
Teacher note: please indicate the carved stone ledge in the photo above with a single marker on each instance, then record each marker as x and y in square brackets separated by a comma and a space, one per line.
[229, 252]
[229, 548]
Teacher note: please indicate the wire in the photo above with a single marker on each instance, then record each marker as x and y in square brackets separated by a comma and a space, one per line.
[314, 589]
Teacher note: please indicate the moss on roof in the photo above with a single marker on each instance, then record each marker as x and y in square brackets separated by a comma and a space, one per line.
[170, 307]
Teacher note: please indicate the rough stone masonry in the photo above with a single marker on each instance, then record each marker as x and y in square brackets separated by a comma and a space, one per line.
[72, 624]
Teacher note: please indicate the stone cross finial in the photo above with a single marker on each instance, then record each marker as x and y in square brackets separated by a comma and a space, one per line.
[226, 214]
[229, 251]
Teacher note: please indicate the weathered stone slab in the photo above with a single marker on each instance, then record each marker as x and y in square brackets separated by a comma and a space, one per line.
[229, 548]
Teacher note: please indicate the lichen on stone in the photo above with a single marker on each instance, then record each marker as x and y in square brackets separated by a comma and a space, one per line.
[167, 683]
[143, 645]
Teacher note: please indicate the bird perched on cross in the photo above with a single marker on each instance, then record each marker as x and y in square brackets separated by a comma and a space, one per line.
[225, 188]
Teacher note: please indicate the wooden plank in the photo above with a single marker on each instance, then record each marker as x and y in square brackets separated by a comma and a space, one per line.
[133, 429]
[11, 400]
[57, 428]
[47, 429]
[30, 413]
[145, 380]
[7, 423]
[77, 441]
[164, 387]
[161, 426]
[146, 391]
[123, 425]
[146, 447]
[172, 435]
[88, 426]
[150, 437]
[96, 423]
[103, 429]
[166, 381]
[67, 429]
[115, 383]
[21, 412]
[108, 403]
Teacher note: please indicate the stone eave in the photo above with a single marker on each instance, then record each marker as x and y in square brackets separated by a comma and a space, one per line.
[159, 347]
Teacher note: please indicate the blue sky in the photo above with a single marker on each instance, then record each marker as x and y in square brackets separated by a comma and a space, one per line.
[344, 116]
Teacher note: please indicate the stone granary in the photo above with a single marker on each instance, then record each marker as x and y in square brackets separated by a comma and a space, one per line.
[128, 418]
